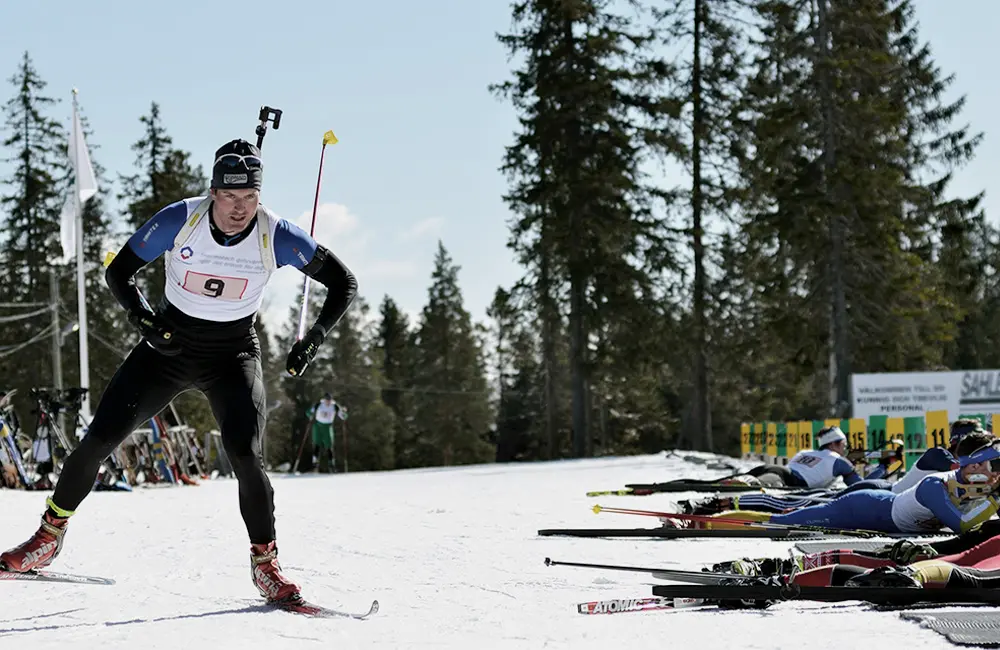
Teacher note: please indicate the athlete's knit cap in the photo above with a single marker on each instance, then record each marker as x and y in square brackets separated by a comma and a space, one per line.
[830, 434]
[237, 166]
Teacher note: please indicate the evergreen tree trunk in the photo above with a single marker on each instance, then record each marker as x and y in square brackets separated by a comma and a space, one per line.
[578, 362]
[701, 427]
[548, 314]
[839, 370]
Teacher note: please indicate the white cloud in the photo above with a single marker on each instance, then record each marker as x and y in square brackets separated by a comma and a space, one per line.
[390, 269]
[379, 266]
[424, 227]
[333, 222]
[338, 229]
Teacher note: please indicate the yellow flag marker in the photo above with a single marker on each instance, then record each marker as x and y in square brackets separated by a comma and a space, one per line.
[330, 138]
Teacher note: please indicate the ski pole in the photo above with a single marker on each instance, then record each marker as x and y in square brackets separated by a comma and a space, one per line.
[742, 522]
[328, 138]
[305, 436]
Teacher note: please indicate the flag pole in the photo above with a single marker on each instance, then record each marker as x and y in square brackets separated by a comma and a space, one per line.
[328, 138]
[81, 287]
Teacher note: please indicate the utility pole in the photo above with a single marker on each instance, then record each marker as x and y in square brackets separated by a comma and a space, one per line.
[57, 376]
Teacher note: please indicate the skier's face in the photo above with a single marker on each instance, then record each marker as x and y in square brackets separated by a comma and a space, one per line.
[233, 209]
[839, 447]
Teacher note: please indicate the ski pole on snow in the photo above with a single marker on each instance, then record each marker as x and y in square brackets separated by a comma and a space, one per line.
[760, 525]
[305, 436]
[328, 138]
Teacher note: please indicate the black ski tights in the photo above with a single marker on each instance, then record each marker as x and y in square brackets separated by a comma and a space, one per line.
[226, 368]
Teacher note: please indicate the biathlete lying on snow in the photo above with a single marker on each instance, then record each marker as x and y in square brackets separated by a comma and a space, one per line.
[977, 566]
[962, 442]
[808, 469]
[957, 500]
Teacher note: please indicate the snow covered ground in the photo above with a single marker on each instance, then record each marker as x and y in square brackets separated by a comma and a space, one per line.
[452, 555]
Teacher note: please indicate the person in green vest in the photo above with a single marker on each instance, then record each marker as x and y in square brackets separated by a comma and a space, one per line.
[323, 414]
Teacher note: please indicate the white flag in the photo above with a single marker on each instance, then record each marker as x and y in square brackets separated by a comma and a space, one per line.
[86, 183]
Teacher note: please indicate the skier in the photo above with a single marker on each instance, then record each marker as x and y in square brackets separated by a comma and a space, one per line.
[976, 566]
[810, 468]
[958, 500]
[220, 253]
[322, 414]
[934, 460]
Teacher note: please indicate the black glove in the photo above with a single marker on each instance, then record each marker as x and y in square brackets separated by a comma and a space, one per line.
[303, 351]
[156, 331]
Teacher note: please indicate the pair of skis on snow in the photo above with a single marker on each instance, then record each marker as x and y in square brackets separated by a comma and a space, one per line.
[296, 606]
[719, 589]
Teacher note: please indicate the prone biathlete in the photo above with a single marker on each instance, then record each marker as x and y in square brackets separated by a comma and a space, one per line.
[958, 500]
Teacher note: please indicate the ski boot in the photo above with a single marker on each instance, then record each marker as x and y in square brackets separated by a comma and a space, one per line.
[766, 566]
[907, 552]
[886, 577]
[39, 551]
[266, 574]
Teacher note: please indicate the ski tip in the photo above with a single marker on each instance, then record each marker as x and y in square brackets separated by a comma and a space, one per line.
[597, 509]
[548, 561]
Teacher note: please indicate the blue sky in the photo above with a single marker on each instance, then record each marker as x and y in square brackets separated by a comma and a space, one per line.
[404, 87]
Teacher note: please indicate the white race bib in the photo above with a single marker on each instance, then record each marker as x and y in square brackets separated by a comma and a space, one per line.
[218, 283]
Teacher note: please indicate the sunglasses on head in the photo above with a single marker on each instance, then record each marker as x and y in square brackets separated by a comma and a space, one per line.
[232, 160]
[989, 453]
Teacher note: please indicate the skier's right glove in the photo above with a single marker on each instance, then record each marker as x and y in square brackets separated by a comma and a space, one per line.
[302, 352]
[157, 332]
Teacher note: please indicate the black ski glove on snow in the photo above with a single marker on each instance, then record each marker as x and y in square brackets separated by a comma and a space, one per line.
[156, 331]
[303, 351]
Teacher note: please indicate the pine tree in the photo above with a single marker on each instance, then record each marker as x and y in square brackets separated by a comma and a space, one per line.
[451, 405]
[585, 213]
[29, 243]
[165, 175]
[520, 434]
[395, 349]
[365, 440]
[706, 143]
[840, 236]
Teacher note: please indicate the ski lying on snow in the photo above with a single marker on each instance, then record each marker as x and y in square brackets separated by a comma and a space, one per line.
[624, 605]
[684, 533]
[50, 576]
[693, 577]
[695, 486]
[878, 595]
[306, 608]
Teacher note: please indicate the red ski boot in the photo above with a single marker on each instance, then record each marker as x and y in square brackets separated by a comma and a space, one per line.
[39, 551]
[267, 576]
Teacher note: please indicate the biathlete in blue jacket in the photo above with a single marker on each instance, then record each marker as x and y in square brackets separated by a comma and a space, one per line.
[957, 500]
[933, 461]
[220, 251]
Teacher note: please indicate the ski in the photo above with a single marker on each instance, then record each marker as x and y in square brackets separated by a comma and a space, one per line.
[693, 577]
[745, 524]
[696, 486]
[628, 492]
[739, 594]
[302, 606]
[624, 605]
[683, 533]
[50, 576]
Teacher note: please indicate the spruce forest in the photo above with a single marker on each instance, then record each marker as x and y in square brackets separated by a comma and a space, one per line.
[721, 209]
